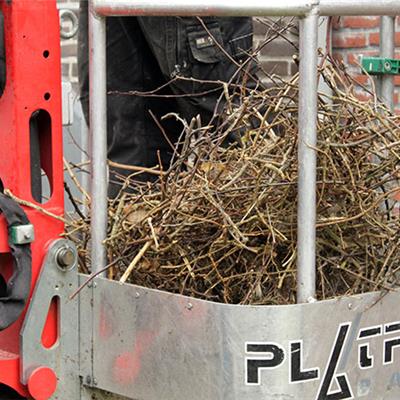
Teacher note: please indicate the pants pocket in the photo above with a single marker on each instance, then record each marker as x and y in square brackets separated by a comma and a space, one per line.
[206, 58]
[241, 47]
[205, 46]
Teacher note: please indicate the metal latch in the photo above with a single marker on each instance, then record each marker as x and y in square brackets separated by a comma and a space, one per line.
[22, 234]
[380, 66]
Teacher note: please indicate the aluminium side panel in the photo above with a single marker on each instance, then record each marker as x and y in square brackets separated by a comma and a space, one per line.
[150, 345]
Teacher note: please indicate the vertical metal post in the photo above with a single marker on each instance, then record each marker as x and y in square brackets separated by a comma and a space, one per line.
[307, 158]
[98, 132]
[387, 51]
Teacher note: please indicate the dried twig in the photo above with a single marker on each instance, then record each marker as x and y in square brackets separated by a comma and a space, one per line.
[223, 219]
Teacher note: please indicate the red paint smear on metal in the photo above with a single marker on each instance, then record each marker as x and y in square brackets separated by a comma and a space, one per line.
[106, 320]
[127, 365]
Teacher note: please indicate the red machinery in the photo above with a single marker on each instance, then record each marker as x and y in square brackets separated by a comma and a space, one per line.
[126, 341]
[31, 143]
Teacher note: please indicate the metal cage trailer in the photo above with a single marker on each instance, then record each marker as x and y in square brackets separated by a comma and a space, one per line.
[116, 341]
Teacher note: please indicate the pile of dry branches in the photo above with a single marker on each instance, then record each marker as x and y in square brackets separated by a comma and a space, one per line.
[220, 223]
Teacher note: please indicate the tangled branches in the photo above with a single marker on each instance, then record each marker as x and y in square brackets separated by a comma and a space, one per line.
[220, 223]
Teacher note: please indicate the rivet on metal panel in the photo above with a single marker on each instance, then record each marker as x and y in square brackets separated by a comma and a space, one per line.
[137, 295]
[350, 306]
[94, 382]
[88, 379]
[189, 306]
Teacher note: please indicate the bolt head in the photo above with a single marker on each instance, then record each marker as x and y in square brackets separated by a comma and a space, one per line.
[66, 257]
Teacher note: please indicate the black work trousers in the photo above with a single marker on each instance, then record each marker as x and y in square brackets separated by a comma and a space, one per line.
[146, 53]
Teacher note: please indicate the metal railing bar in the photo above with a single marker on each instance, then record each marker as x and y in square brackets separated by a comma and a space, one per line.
[307, 162]
[98, 131]
[202, 8]
[387, 51]
[358, 7]
[247, 8]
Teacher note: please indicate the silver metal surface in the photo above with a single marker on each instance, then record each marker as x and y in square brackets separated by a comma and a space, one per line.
[307, 159]
[63, 356]
[22, 234]
[66, 14]
[76, 152]
[253, 7]
[98, 132]
[387, 35]
[203, 8]
[68, 6]
[86, 334]
[150, 345]
[89, 393]
[67, 103]
[358, 7]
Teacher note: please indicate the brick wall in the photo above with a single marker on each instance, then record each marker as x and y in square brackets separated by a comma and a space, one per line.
[354, 37]
[277, 39]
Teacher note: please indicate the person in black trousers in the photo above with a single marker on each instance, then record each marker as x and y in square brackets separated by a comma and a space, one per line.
[176, 54]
